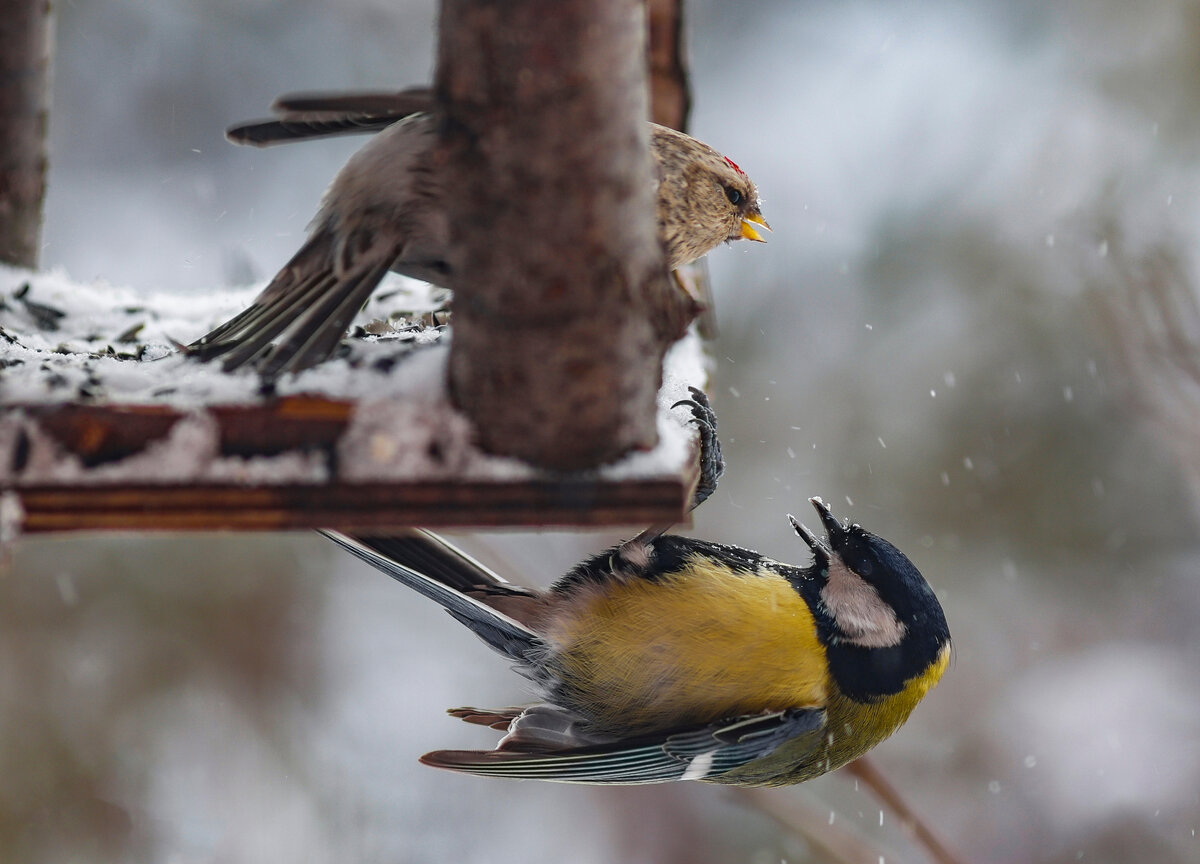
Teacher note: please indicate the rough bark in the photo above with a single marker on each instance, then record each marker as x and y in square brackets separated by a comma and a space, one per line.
[563, 309]
[25, 51]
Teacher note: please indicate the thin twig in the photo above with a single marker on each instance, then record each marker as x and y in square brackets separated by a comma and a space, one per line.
[833, 844]
[912, 824]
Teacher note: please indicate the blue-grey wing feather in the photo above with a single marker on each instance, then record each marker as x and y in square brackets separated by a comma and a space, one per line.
[703, 753]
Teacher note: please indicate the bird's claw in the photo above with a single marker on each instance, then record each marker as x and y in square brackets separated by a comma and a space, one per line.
[712, 464]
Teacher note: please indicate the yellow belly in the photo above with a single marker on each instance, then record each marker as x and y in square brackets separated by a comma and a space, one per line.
[851, 730]
[697, 646]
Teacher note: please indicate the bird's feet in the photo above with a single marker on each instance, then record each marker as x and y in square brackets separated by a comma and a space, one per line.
[712, 464]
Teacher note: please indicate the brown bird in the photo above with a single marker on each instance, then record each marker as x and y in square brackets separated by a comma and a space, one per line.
[384, 211]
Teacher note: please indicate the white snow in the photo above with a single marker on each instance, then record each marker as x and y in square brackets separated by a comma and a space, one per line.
[685, 365]
[62, 341]
[83, 357]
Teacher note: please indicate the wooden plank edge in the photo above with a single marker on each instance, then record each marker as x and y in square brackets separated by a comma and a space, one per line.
[349, 507]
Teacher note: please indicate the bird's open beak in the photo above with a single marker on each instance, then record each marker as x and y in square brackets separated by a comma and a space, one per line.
[822, 547]
[833, 527]
[748, 230]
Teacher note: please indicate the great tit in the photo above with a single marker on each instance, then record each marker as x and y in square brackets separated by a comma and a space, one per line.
[670, 658]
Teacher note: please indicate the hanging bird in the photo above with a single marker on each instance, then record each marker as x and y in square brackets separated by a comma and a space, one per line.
[670, 658]
[384, 211]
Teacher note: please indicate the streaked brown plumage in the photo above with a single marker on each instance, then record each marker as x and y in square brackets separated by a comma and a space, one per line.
[383, 211]
[704, 198]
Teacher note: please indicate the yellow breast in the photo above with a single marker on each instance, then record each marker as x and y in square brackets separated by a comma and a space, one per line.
[695, 646]
[851, 729]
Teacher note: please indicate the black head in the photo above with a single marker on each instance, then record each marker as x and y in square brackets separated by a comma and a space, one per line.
[880, 620]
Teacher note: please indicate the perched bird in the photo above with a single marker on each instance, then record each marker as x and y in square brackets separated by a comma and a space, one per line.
[669, 658]
[384, 211]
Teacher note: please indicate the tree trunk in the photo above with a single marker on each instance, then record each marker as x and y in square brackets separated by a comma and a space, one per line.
[563, 309]
[25, 50]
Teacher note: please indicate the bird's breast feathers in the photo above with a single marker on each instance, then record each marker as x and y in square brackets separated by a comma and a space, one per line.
[682, 647]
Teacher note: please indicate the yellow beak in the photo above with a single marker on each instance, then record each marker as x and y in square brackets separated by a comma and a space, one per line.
[749, 232]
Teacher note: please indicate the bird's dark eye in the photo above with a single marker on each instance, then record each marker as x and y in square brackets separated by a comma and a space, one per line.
[734, 196]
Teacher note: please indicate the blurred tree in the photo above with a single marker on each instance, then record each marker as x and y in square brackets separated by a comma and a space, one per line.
[25, 55]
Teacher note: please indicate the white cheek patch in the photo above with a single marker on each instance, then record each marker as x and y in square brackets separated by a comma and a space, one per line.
[859, 612]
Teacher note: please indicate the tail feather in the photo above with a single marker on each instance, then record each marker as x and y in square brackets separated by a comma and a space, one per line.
[494, 718]
[366, 102]
[266, 133]
[305, 116]
[441, 560]
[501, 632]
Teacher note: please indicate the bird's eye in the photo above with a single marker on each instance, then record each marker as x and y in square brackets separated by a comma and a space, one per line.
[734, 196]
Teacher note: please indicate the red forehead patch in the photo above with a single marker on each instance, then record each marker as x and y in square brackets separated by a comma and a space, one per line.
[734, 166]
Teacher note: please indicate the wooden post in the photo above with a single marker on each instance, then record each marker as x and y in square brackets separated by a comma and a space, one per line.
[563, 309]
[670, 92]
[25, 51]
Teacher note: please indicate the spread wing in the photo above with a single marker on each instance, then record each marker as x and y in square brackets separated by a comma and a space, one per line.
[308, 306]
[701, 753]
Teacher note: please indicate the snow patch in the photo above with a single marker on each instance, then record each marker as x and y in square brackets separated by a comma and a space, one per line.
[62, 342]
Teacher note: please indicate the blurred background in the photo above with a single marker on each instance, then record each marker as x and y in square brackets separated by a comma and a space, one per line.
[973, 330]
